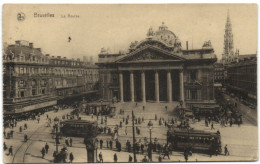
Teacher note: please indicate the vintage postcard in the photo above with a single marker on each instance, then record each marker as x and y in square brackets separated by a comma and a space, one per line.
[129, 83]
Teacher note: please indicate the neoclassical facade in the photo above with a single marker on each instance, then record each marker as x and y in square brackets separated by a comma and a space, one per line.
[157, 69]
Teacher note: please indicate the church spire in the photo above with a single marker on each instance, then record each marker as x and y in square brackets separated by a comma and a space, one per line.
[228, 51]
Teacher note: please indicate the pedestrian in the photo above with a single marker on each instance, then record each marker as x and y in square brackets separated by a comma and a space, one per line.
[70, 142]
[71, 157]
[10, 150]
[46, 148]
[186, 155]
[130, 158]
[67, 141]
[25, 138]
[111, 144]
[101, 143]
[145, 159]
[231, 122]
[115, 158]
[5, 147]
[160, 158]
[166, 152]
[126, 130]
[100, 157]
[166, 108]
[143, 108]
[25, 126]
[142, 148]
[226, 150]
[212, 126]
[43, 152]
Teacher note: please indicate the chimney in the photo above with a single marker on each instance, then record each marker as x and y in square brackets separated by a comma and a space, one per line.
[31, 45]
[39, 49]
[64, 58]
[47, 55]
[58, 57]
[187, 45]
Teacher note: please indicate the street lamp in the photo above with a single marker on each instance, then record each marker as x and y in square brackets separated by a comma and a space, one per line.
[56, 122]
[150, 126]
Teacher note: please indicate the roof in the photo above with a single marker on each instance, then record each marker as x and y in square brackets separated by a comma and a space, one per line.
[16, 49]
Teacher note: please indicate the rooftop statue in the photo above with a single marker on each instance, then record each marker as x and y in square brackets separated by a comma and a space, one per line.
[150, 32]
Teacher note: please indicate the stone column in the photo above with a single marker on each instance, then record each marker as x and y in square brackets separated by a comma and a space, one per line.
[121, 87]
[16, 89]
[108, 82]
[169, 86]
[143, 86]
[132, 86]
[182, 88]
[157, 94]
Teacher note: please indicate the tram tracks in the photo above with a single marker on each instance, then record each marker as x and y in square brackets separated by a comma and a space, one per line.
[20, 153]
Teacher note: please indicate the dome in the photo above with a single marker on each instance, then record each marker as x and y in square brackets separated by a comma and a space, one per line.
[164, 35]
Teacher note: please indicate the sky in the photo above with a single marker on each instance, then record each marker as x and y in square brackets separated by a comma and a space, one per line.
[116, 26]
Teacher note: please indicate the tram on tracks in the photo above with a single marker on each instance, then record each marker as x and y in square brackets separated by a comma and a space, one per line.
[79, 128]
[195, 140]
[205, 110]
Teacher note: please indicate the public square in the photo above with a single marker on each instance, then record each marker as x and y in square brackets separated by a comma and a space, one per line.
[241, 140]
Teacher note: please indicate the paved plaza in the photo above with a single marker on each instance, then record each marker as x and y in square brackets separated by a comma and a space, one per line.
[241, 140]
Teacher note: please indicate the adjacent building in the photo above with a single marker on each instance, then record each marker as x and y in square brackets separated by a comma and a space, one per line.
[33, 80]
[219, 74]
[158, 69]
[242, 77]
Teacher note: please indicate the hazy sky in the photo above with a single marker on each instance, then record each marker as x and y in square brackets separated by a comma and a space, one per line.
[116, 26]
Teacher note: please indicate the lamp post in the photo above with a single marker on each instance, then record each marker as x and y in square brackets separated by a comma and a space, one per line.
[150, 126]
[56, 122]
[133, 118]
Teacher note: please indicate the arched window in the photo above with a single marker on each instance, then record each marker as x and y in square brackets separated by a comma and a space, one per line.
[21, 83]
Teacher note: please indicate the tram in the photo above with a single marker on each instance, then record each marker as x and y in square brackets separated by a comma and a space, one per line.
[205, 110]
[79, 128]
[195, 140]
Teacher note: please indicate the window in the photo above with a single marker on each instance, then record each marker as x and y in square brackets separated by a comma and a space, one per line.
[21, 70]
[193, 75]
[33, 92]
[193, 94]
[33, 83]
[22, 93]
[21, 83]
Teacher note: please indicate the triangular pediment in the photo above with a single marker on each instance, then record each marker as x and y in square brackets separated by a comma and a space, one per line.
[150, 54]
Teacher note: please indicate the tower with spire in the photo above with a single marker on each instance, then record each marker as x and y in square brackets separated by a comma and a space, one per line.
[228, 52]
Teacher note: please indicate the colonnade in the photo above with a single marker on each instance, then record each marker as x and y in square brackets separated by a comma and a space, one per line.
[157, 88]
